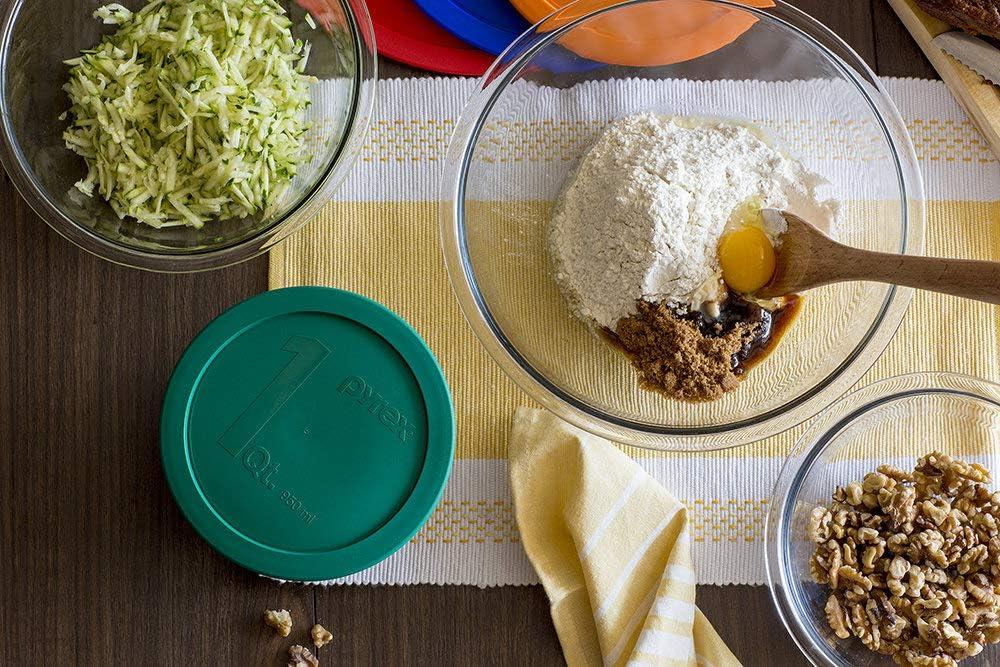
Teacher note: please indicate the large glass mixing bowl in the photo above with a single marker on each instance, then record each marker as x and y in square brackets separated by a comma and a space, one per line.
[38, 35]
[543, 102]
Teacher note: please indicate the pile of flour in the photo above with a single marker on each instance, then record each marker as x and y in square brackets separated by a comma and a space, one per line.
[642, 215]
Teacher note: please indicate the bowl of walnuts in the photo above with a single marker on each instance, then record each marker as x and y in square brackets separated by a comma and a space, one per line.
[883, 535]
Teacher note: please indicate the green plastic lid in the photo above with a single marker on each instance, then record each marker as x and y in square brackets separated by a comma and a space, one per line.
[307, 433]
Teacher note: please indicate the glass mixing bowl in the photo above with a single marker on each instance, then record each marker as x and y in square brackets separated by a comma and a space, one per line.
[38, 35]
[544, 101]
[894, 421]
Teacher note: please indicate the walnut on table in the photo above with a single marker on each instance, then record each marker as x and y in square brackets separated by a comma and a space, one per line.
[321, 636]
[280, 620]
[912, 561]
[300, 656]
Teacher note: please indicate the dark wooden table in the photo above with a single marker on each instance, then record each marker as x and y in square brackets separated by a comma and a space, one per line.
[98, 567]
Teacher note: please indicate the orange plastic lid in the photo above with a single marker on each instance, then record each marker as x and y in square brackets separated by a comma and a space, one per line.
[650, 34]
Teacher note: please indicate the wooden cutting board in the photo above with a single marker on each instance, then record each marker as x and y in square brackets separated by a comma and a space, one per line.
[980, 99]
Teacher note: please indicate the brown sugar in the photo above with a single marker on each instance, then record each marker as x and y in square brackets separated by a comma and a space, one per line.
[674, 356]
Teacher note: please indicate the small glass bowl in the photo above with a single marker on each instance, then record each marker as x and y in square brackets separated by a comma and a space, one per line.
[534, 114]
[895, 421]
[38, 35]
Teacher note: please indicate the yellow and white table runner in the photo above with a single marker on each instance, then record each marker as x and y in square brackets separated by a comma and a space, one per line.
[379, 237]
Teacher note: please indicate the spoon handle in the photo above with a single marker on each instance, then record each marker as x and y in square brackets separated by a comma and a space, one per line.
[971, 279]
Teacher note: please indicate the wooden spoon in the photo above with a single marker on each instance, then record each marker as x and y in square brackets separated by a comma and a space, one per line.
[808, 258]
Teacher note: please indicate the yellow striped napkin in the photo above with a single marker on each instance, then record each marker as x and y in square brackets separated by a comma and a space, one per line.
[611, 547]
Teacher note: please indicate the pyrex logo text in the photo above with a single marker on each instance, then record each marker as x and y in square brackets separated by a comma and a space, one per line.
[364, 394]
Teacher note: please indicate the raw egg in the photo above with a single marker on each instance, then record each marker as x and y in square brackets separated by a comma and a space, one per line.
[747, 259]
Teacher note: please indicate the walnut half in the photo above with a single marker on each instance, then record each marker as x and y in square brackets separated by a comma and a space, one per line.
[280, 620]
[321, 636]
[300, 656]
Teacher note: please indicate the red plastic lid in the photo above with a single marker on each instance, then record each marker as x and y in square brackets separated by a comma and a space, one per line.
[404, 33]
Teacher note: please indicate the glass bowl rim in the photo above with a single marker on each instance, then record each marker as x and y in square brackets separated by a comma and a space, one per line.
[798, 622]
[358, 119]
[467, 131]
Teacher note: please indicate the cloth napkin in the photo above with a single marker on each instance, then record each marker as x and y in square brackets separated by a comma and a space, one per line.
[380, 237]
[612, 548]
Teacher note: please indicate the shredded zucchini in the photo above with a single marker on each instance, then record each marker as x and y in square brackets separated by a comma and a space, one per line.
[194, 110]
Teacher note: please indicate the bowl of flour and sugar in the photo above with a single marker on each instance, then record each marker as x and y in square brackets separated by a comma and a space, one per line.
[585, 213]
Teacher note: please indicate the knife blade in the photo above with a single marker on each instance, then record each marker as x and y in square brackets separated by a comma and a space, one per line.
[978, 55]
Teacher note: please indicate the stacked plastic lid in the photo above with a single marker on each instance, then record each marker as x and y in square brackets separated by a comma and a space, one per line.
[463, 36]
[404, 33]
[455, 36]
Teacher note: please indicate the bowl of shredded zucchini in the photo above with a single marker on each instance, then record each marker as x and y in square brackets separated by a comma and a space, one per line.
[182, 135]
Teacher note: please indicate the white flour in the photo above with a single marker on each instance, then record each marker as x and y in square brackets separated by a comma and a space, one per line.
[642, 215]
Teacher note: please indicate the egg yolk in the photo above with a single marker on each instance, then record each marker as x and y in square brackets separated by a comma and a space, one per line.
[747, 259]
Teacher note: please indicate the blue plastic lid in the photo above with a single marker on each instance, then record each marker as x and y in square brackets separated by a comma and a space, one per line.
[490, 25]
[493, 25]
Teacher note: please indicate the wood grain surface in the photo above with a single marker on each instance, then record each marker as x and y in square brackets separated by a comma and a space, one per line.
[98, 567]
